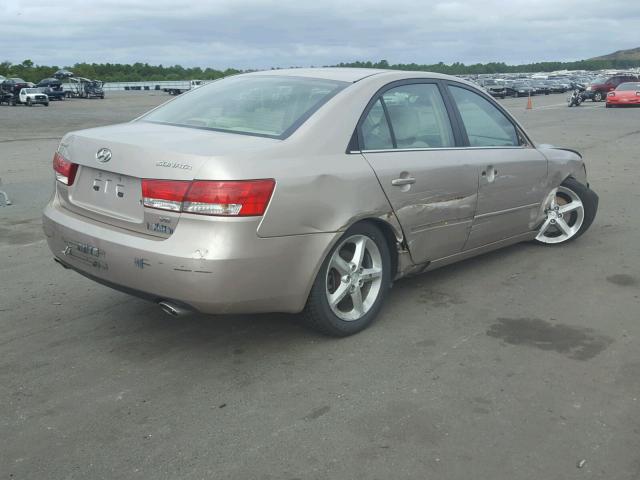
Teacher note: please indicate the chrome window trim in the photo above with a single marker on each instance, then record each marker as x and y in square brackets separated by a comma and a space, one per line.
[430, 149]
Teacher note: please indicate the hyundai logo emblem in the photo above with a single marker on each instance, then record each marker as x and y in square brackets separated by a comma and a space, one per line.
[103, 155]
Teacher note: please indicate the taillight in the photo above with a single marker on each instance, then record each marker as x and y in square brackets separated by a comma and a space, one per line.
[65, 170]
[164, 194]
[240, 198]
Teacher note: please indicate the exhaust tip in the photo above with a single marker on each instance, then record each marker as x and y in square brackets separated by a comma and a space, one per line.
[61, 263]
[172, 309]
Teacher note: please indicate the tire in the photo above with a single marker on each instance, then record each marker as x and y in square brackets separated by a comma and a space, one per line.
[597, 97]
[576, 213]
[337, 274]
[29, 104]
[46, 104]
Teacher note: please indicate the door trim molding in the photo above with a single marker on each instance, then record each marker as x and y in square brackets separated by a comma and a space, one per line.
[508, 210]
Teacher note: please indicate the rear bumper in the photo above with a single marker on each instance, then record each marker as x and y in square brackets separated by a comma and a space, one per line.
[217, 266]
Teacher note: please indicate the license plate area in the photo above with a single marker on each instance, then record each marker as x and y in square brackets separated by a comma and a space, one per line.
[107, 193]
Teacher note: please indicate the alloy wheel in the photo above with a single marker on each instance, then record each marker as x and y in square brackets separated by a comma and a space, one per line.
[354, 277]
[564, 216]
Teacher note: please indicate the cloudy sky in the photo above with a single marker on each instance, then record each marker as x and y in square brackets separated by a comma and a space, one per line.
[262, 34]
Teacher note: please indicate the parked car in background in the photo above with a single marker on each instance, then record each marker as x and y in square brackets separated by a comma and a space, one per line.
[13, 86]
[556, 86]
[598, 89]
[495, 87]
[541, 87]
[520, 89]
[52, 87]
[306, 190]
[624, 94]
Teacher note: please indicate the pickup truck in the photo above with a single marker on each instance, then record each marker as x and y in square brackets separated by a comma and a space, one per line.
[32, 96]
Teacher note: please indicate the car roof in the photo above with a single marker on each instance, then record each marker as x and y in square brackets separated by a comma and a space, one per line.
[352, 74]
[327, 73]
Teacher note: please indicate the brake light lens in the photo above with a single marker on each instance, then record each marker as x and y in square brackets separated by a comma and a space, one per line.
[65, 170]
[164, 194]
[240, 198]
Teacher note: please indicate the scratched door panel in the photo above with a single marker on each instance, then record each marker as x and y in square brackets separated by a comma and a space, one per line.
[437, 210]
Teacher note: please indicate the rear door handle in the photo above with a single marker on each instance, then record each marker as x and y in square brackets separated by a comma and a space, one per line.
[398, 182]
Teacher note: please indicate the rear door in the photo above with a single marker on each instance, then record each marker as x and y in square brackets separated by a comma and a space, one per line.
[407, 137]
[512, 180]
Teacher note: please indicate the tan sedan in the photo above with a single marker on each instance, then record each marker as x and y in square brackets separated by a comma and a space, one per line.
[306, 190]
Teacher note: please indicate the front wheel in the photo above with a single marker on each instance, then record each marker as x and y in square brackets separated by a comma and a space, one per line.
[29, 104]
[597, 97]
[352, 283]
[569, 212]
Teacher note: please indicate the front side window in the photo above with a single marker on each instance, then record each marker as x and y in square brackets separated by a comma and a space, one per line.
[486, 126]
[269, 106]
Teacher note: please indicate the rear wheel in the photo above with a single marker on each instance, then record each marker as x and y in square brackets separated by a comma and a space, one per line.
[597, 97]
[352, 283]
[570, 210]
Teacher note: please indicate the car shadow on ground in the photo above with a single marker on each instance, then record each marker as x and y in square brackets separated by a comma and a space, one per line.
[142, 330]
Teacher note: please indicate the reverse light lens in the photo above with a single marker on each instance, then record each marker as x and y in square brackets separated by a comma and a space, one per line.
[209, 197]
[65, 170]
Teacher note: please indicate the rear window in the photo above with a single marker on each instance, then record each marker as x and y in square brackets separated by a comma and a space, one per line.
[268, 106]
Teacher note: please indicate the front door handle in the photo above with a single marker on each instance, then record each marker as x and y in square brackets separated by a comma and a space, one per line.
[490, 173]
[398, 182]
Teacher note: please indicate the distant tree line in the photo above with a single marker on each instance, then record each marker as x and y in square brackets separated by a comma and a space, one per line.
[113, 72]
[117, 72]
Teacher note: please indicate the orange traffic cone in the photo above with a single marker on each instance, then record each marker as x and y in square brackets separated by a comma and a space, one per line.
[529, 103]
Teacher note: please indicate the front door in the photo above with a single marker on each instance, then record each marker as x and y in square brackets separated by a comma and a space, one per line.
[512, 176]
[408, 140]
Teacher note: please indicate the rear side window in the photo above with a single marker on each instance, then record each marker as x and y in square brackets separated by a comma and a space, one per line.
[375, 129]
[486, 126]
[418, 116]
[418, 119]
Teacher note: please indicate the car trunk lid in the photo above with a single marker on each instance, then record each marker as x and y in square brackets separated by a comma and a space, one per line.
[114, 160]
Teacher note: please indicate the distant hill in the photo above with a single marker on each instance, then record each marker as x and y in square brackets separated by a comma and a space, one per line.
[631, 54]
